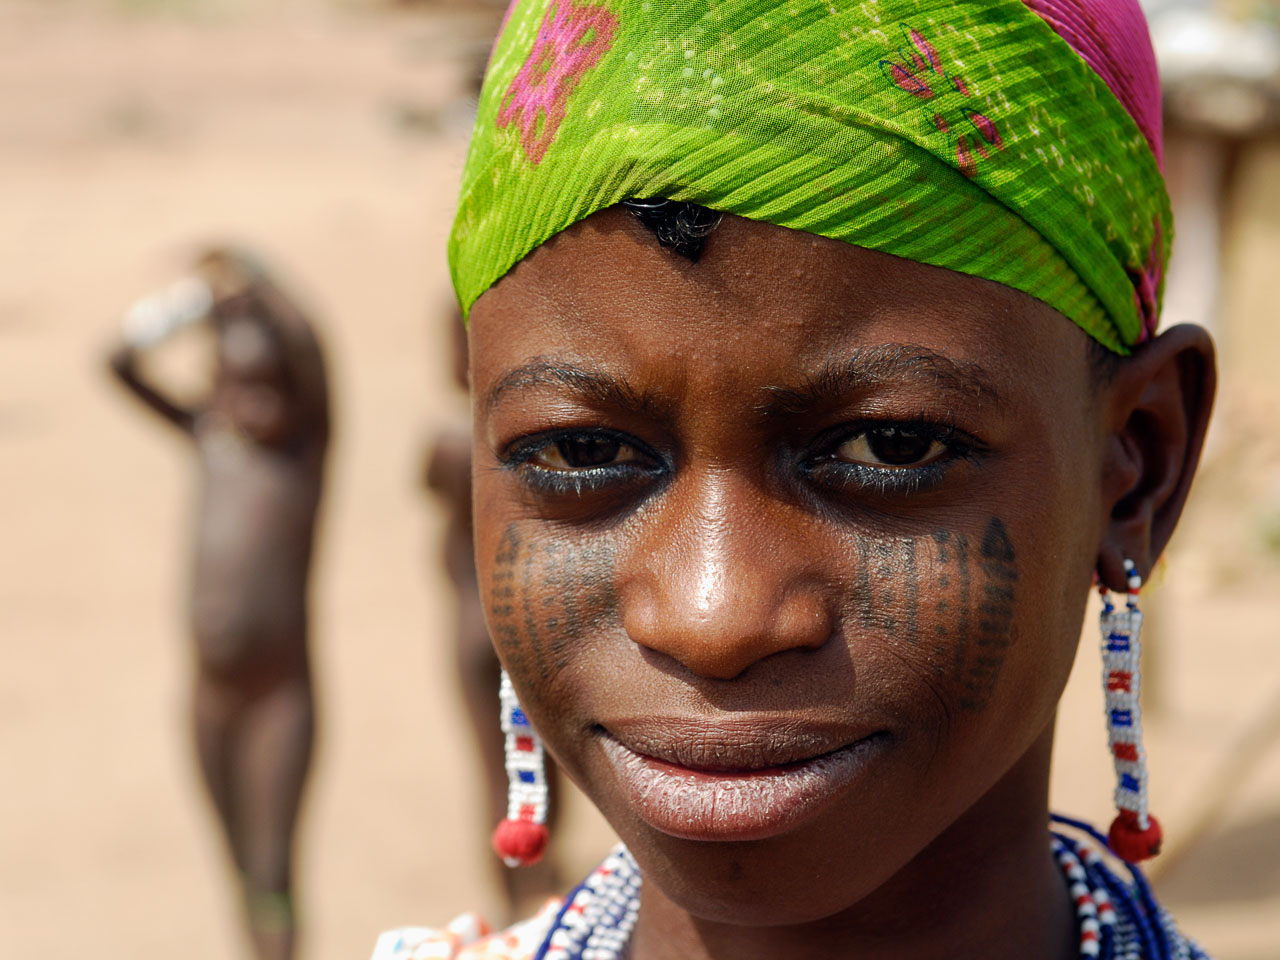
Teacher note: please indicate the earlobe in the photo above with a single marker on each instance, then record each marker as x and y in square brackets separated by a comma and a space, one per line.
[1157, 413]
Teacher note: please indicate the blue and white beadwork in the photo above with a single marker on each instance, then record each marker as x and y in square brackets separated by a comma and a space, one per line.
[1117, 919]
[597, 918]
[1121, 651]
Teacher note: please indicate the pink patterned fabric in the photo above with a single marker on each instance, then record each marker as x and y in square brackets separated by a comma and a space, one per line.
[572, 40]
[1111, 36]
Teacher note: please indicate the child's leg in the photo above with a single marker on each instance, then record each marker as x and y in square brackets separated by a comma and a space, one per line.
[215, 714]
[255, 723]
[272, 758]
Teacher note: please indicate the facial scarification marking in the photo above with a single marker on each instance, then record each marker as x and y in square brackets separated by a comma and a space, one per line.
[865, 600]
[502, 594]
[885, 576]
[994, 632]
[597, 565]
[532, 640]
[543, 599]
[887, 587]
[586, 596]
[911, 579]
[945, 560]
[560, 591]
[972, 627]
[951, 631]
[547, 599]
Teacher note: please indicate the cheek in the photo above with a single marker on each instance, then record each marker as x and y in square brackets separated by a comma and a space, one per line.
[546, 598]
[974, 615]
[951, 608]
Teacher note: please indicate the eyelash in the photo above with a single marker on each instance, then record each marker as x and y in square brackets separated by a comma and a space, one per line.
[837, 475]
[822, 468]
[519, 458]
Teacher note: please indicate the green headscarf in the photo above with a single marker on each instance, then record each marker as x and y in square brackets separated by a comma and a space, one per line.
[967, 135]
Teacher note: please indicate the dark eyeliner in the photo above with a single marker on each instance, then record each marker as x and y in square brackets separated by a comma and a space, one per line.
[518, 458]
[826, 469]
[843, 477]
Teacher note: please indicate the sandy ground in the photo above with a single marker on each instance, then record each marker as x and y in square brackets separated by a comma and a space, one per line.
[331, 140]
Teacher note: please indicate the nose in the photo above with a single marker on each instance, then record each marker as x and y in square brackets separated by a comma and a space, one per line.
[720, 581]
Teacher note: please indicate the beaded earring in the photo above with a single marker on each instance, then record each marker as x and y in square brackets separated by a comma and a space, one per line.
[1135, 835]
[521, 838]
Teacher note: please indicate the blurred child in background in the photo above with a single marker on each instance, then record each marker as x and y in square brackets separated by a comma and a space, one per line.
[260, 438]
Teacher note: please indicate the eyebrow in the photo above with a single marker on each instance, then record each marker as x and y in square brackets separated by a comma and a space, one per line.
[594, 385]
[871, 367]
[867, 368]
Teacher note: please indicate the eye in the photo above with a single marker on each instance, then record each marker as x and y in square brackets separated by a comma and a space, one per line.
[582, 451]
[582, 462]
[891, 447]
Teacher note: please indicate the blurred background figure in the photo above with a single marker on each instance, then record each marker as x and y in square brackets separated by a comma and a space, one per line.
[1220, 67]
[446, 473]
[259, 439]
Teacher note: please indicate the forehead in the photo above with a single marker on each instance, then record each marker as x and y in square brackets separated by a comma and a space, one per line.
[764, 305]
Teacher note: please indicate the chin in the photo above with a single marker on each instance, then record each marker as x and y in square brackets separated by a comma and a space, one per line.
[742, 884]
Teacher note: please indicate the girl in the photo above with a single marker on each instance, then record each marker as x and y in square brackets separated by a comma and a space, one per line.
[786, 521]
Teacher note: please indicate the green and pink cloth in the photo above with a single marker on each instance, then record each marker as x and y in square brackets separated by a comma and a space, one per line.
[1016, 141]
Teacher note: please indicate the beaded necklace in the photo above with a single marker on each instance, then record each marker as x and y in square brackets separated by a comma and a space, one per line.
[1117, 919]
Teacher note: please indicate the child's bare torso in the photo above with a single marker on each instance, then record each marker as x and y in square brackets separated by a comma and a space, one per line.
[255, 526]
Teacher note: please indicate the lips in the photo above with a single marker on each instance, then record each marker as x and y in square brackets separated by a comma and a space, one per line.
[747, 780]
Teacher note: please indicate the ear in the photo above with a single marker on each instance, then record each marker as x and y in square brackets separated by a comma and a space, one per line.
[1156, 414]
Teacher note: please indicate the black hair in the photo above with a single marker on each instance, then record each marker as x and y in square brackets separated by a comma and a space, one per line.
[680, 226]
[683, 228]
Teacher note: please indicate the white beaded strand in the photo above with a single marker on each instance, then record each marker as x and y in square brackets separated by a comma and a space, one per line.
[1093, 907]
[597, 922]
[1121, 655]
[1135, 835]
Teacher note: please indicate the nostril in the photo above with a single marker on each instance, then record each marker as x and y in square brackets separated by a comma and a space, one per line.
[706, 667]
[724, 641]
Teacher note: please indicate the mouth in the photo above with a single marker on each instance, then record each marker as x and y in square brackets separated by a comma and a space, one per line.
[735, 783]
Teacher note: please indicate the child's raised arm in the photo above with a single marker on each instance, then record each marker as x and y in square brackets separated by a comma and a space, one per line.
[149, 322]
[123, 361]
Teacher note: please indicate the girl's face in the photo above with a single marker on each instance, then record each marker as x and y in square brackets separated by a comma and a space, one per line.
[786, 551]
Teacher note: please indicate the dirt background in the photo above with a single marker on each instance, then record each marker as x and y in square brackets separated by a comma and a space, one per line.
[330, 137]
